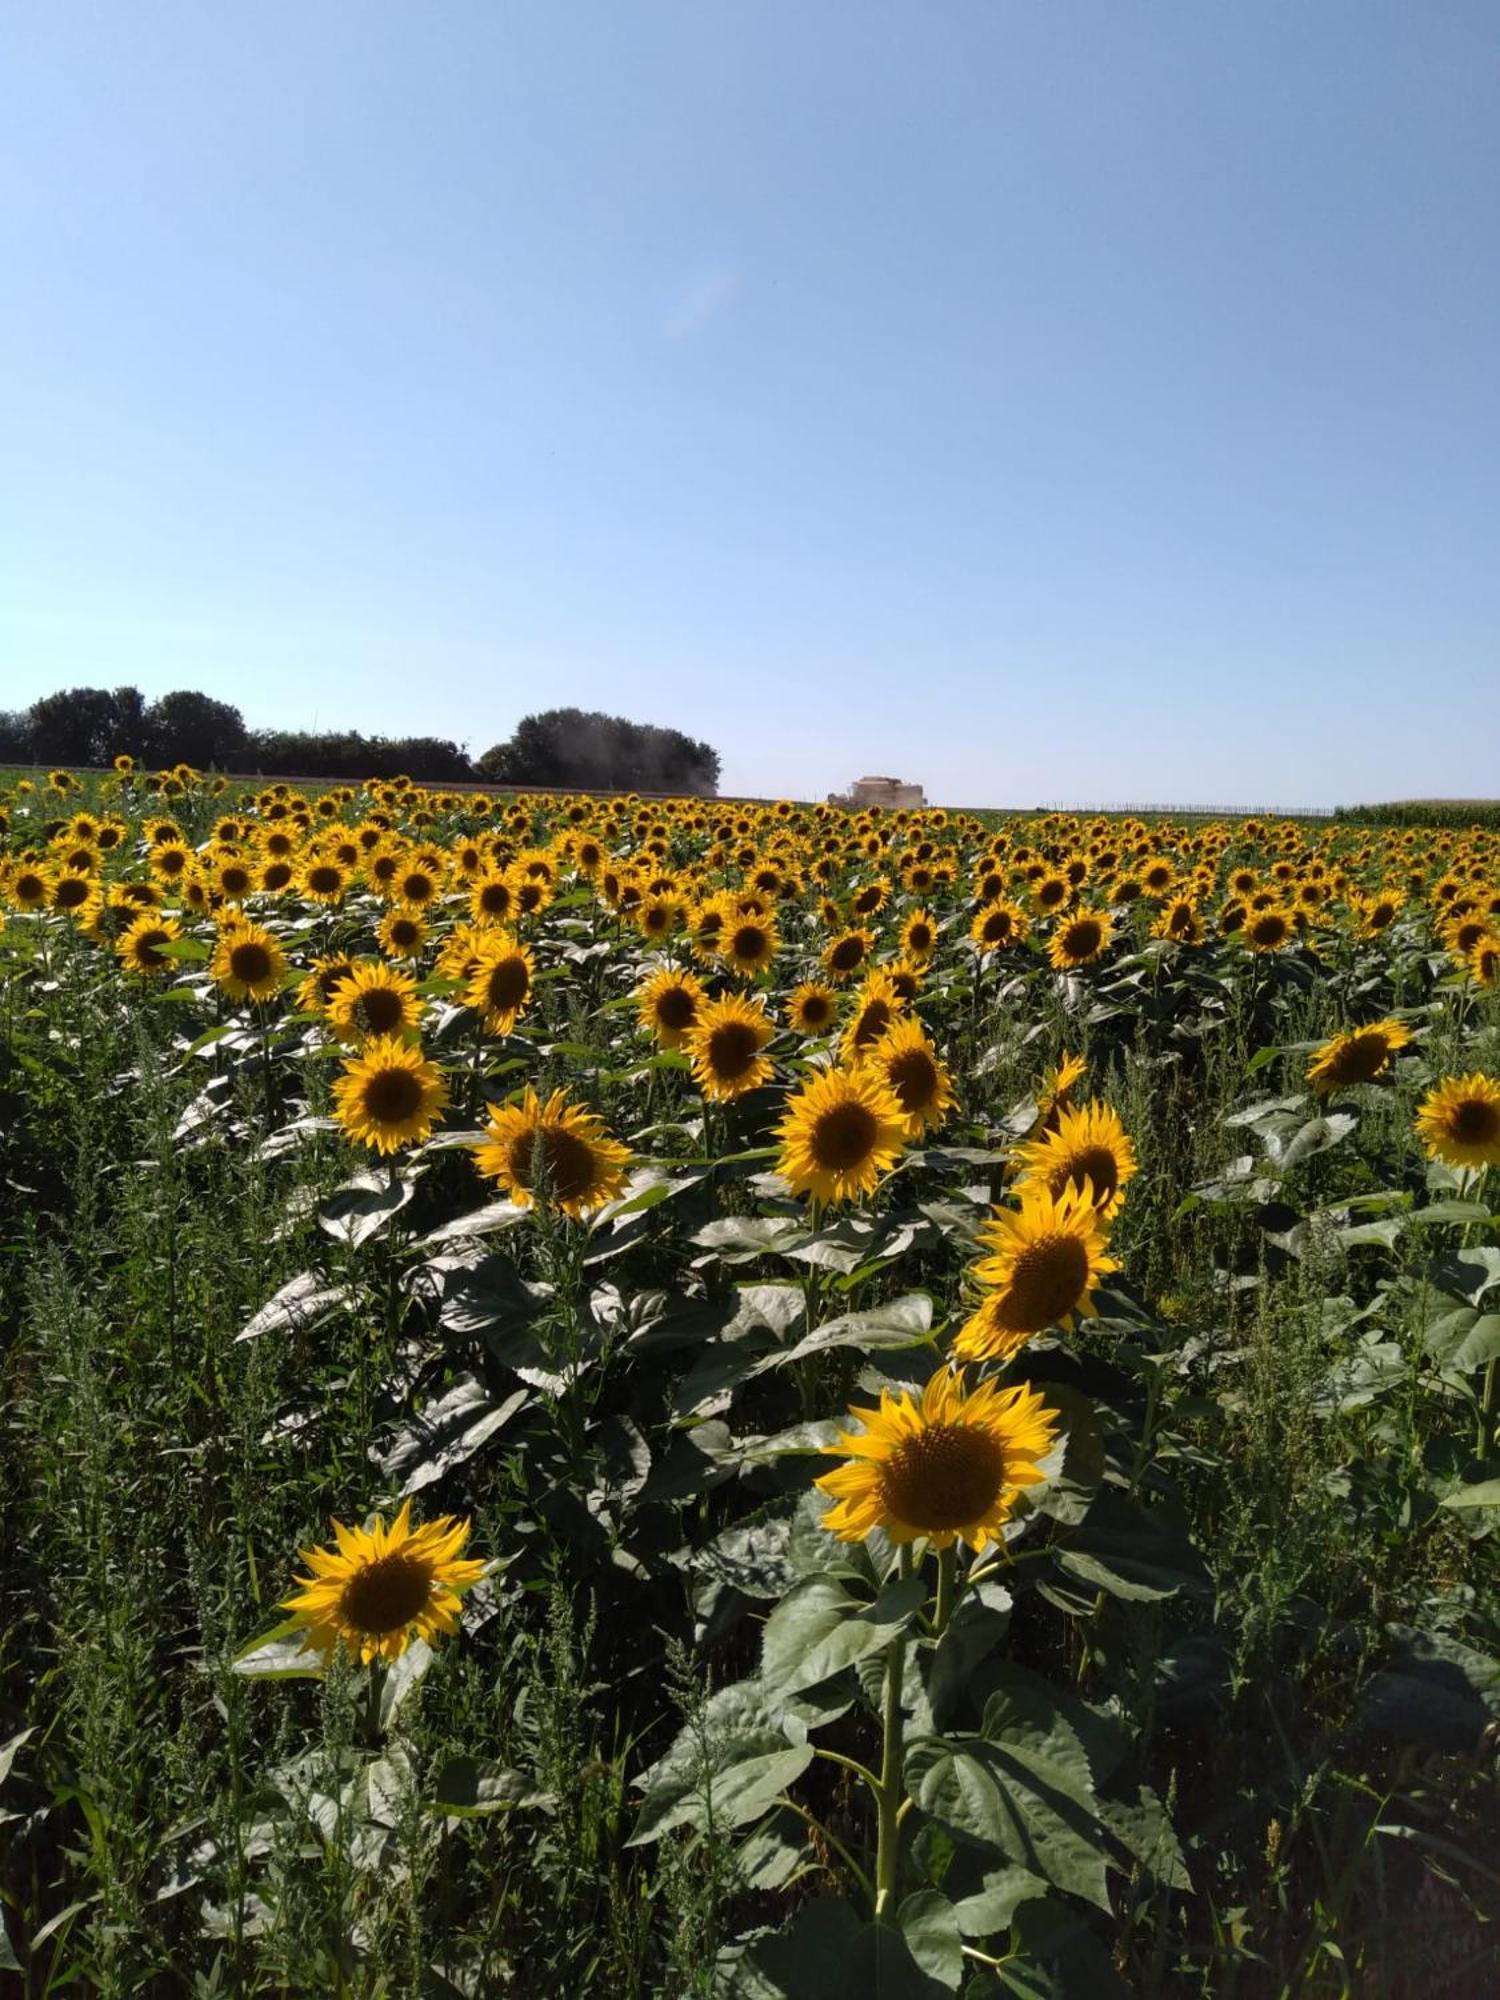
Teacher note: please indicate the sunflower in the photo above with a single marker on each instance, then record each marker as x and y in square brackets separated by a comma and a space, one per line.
[1483, 961]
[1087, 1149]
[656, 916]
[812, 1007]
[29, 887]
[998, 925]
[842, 1130]
[140, 944]
[908, 1065]
[1459, 1121]
[233, 878]
[725, 1044]
[375, 999]
[317, 988]
[1179, 922]
[247, 961]
[876, 1007]
[847, 953]
[919, 936]
[73, 892]
[1080, 939]
[948, 1468]
[749, 943]
[1268, 930]
[382, 1587]
[556, 1148]
[501, 984]
[1047, 1256]
[323, 881]
[389, 1094]
[668, 1004]
[402, 934]
[1359, 1056]
[492, 900]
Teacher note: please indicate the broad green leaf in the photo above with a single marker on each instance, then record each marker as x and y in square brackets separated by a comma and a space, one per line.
[819, 1629]
[303, 1302]
[469, 1787]
[281, 1654]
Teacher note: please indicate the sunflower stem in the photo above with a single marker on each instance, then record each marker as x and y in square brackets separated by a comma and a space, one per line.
[947, 1577]
[892, 1758]
[374, 1695]
[1485, 1429]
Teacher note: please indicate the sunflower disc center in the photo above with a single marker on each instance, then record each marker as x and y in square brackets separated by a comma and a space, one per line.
[844, 1137]
[387, 1594]
[392, 1096]
[1049, 1279]
[947, 1476]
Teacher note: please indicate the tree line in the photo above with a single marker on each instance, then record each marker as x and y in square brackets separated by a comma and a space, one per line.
[559, 748]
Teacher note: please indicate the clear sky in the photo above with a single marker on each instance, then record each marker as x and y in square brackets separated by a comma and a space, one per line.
[1046, 400]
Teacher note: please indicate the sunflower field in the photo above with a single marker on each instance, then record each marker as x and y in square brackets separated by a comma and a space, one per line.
[624, 1397]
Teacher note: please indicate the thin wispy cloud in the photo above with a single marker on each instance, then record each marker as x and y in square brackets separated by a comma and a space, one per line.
[704, 301]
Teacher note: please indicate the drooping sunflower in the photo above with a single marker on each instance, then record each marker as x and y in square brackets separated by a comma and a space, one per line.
[389, 1094]
[1087, 1149]
[501, 984]
[908, 1064]
[556, 1148]
[1080, 939]
[947, 1468]
[382, 1587]
[842, 1130]
[1358, 1056]
[1046, 1256]
[998, 925]
[725, 1044]
[1459, 1121]
[375, 999]
[140, 944]
[668, 1004]
[248, 962]
[812, 1007]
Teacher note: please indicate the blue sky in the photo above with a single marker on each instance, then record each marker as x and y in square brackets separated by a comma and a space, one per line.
[1047, 402]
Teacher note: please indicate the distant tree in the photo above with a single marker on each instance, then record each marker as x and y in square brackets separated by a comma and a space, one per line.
[86, 725]
[346, 754]
[190, 728]
[596, 752]
[15, 736]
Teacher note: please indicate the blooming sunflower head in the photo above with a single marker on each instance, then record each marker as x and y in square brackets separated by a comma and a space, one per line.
[140, 944]
[1080, 939]
[375, 999]
[556, 1152]
[1268, 930]
[812, 1007]
[847, 953]
[948, 1466]
[998, 925]
[907, 1063]
[840, 1133]
[381, 1587]
[1088, 1150]
[668, 1004]
[1357, 1056]
[1045, 1257]
[389, 1094]
[876, 1007]
[500, 984]
[1459, 1121]
[248, 962]
[749, 941]
[725, 1044]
